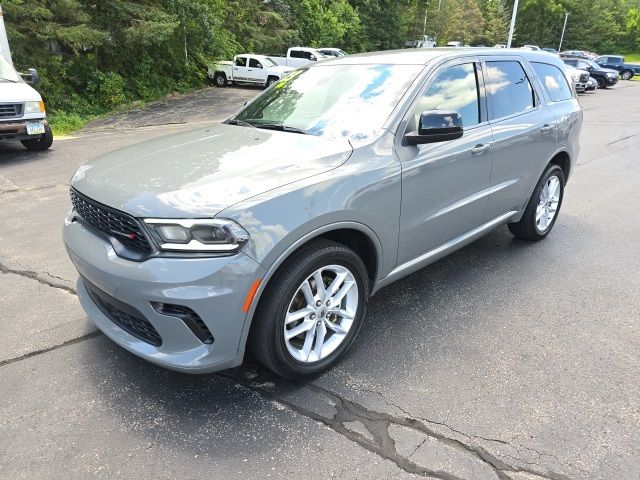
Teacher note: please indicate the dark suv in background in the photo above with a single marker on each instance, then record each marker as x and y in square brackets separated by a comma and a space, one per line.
[616, 62]
[606, 77]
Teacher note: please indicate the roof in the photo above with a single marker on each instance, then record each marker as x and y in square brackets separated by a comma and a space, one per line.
[422, 56]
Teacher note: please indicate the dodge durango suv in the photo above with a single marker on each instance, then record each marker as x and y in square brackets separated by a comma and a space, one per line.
[270, 231]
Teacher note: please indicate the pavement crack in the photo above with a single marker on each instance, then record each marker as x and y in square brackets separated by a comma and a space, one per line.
[381, 443]
[36, 276]
[82, 338]
[621, 139]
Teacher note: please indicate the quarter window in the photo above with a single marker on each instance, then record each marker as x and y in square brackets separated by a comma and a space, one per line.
[456, 89]
[511, 91]
[554, 81]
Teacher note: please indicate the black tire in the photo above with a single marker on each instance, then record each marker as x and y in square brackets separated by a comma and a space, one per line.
[220, 79]
[271, 80]
[267, 341]
[626, 74]
[601, 83]
[42, 143]
[526, 228]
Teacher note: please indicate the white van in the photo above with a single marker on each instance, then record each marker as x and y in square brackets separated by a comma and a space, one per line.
[22, 111]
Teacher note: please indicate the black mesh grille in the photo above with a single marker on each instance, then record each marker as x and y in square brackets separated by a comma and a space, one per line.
[112, 222]
[10, 110]
[131, 321]
[189, 317]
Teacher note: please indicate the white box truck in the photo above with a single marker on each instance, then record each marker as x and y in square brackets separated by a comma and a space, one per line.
[22, 112]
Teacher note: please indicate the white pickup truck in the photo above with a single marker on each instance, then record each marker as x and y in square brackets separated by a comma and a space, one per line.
[247, 68]
[298, 57]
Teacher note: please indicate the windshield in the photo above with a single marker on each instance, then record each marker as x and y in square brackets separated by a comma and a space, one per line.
[349, 101]
[7, 72]
[268, 62]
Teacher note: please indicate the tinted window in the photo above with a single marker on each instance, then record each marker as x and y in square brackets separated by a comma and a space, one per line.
[295, 54]
[456, 89]
[615, 60]
[554, 81]
[510, 89]
[253, 63]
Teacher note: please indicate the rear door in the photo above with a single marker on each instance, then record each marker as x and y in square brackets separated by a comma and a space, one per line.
[524, 133]
[241, 69]
[445, 184]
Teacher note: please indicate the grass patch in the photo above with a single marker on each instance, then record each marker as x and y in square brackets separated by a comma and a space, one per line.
[63, 123]
[632, 57]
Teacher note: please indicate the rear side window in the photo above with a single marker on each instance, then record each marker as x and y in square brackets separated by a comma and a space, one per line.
[554, 81]
[615, 60]
[511, 91]
[295, 54]
[454, 88]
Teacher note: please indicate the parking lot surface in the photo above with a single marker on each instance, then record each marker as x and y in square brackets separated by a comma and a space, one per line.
[505, 360]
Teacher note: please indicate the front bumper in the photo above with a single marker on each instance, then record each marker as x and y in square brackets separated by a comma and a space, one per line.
[611, 81]
[214, 288]
[17, 129]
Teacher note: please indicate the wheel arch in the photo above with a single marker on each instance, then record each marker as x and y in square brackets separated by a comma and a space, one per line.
[563, 160]
[354, 235]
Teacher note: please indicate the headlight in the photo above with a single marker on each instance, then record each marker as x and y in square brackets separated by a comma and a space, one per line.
[612, 75]
[202, 235]
[34, 107]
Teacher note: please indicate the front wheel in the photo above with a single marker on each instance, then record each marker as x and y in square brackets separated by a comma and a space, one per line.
[626, 74]
[542, 210]
[42, 143]
[220, 79]
[271, 81]
[601, 83]
[311, 311]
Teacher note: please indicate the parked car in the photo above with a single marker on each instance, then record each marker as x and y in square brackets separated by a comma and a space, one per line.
[579, 78]
[23, 115]
[550, 50]
[606, 77]
[299, 57]
[499, 45]
[248, 69]
[425, 41]
[616, 62]
[272, 230]
[592, 84]
[454, 44]
[332, 52]
[575, 53]
[534, 48]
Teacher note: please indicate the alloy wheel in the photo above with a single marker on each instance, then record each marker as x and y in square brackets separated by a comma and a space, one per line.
[548, 204]
[321, 313]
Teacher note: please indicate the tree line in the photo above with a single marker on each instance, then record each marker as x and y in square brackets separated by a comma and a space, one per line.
[94, 55]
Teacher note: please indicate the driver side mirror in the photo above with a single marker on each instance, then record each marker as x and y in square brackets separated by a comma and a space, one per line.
[32, 76]
[313, 58]
[436, 126]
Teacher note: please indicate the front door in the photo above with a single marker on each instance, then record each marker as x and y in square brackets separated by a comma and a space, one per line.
[256, 72]
[445, 184]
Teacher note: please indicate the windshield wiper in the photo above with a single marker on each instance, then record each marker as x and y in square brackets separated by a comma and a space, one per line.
[242, 123]
[282, 127]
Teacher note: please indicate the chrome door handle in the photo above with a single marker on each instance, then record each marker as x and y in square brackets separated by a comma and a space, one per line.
[546, 128]
[480, 149]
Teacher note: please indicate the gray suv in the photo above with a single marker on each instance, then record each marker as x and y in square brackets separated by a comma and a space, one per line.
[271, 231]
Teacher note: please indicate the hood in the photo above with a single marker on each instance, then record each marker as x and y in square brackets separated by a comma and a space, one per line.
[197, 174]
[17, 92]
[281, 69]
[608, 70]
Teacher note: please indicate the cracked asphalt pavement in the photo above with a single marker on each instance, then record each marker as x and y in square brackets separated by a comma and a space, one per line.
[506, 360]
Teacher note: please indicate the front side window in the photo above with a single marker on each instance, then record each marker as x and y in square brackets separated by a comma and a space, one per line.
[336, 101]
[455, 89]
[554, 81]
[511, 91]
[253, 63]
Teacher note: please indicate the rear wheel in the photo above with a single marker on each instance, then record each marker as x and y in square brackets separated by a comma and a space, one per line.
[220, 79]
[42, 143]
[311, 311]
[542, 210]
[626, 74]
